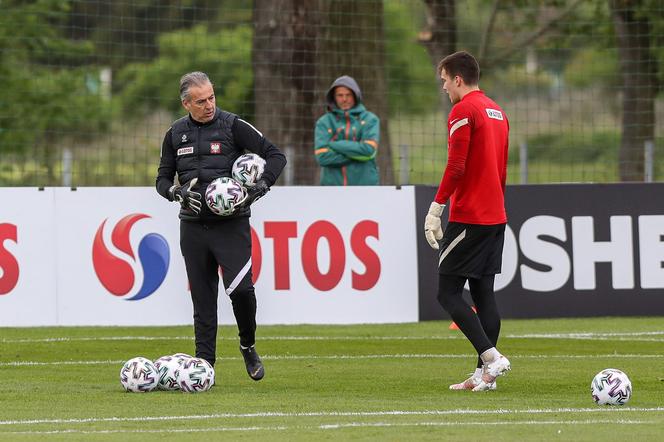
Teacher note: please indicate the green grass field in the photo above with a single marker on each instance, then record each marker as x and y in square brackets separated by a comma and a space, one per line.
[368, 382]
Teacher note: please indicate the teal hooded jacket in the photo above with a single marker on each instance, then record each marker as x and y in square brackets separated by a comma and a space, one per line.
[346, 142]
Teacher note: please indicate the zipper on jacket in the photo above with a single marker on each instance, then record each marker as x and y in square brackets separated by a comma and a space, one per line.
[198, 158]
[347, 125]
[198, 151]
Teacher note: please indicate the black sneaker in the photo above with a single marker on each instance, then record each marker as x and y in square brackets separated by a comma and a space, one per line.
[253, 362]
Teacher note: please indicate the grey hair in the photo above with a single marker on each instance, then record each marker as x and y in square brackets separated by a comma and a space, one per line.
[192, 79]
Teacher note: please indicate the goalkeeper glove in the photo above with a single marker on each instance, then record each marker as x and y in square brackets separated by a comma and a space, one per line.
[187, 198]
[432, 228]
[256, 191]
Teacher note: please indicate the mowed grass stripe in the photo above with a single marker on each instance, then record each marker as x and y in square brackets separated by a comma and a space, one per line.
[332, 427]
[268, 357]
[338, 426]
[637, 336]
[278, 414]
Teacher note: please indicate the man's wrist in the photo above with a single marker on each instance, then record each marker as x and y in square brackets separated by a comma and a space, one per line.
[173, 193]
[436, 209]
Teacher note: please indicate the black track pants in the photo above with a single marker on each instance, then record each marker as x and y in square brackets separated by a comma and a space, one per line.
[481, 329]
[206, 248]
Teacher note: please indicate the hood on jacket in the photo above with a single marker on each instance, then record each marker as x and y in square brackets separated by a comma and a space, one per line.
[345, 81]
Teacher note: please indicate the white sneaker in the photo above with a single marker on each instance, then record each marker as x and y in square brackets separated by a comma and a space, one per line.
[470, 384]
[491, 372]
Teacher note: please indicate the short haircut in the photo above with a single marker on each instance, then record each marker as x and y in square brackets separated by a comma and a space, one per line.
[192, 79]
[462, 64]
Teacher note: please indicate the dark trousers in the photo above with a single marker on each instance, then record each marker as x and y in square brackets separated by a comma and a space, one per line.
[481, 329]
[206, 248]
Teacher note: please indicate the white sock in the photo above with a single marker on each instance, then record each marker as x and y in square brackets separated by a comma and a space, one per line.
[490, 355]
[478, 373]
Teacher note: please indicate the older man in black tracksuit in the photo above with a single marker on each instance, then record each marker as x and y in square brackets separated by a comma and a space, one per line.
[199, 148]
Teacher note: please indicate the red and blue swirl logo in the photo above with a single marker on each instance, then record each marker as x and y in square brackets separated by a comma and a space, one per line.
[116, 274]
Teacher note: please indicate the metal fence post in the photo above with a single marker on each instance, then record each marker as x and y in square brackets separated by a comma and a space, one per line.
[404, 166]
[523, 162]
[67, 160]
[648, 160]
[288, 174]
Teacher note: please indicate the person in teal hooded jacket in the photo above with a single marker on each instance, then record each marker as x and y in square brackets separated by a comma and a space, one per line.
[347, 137]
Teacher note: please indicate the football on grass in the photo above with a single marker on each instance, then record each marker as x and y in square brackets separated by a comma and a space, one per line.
[611, 387]
[168, 368]
[139, 375]
[196, 375]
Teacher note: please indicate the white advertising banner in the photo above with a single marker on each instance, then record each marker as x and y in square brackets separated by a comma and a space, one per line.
[336, 255]
[119, 258]
[111, 256]
[27, 257]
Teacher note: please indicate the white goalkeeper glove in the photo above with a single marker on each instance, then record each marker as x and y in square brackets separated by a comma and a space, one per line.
[432, 227]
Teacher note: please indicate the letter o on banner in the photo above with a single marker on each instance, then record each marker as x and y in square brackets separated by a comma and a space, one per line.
[510, 261]
[256, 256]
[323, 281]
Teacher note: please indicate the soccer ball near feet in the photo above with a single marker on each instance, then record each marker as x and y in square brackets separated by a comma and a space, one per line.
[168, 368]
[611, 387]
[139, 375]
[196, 375]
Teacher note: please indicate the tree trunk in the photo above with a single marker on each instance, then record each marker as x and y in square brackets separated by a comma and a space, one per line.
[284, 62]
[300, 47]
[639, 86]
[352, 43]
[439, 37]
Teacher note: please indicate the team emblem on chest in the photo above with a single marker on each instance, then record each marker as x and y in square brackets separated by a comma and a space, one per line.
[215, 147]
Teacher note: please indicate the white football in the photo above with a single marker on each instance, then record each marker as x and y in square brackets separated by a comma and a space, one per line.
[168, 368]
[196, 375]
[223, 195]
[248, 168]
[139, 375]
[611, 387]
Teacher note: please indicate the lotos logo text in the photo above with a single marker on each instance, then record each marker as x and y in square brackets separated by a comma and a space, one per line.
[323, 277]
[117, 274]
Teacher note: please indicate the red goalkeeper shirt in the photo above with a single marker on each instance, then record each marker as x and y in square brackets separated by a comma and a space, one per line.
[476, 171]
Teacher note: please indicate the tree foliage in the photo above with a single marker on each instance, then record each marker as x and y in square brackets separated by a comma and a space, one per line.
[52, 54]
[412, 84]
[42, 96]
[225, 55]
[127, 31]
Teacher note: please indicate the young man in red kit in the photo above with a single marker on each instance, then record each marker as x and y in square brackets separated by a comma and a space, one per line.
[472, 244]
